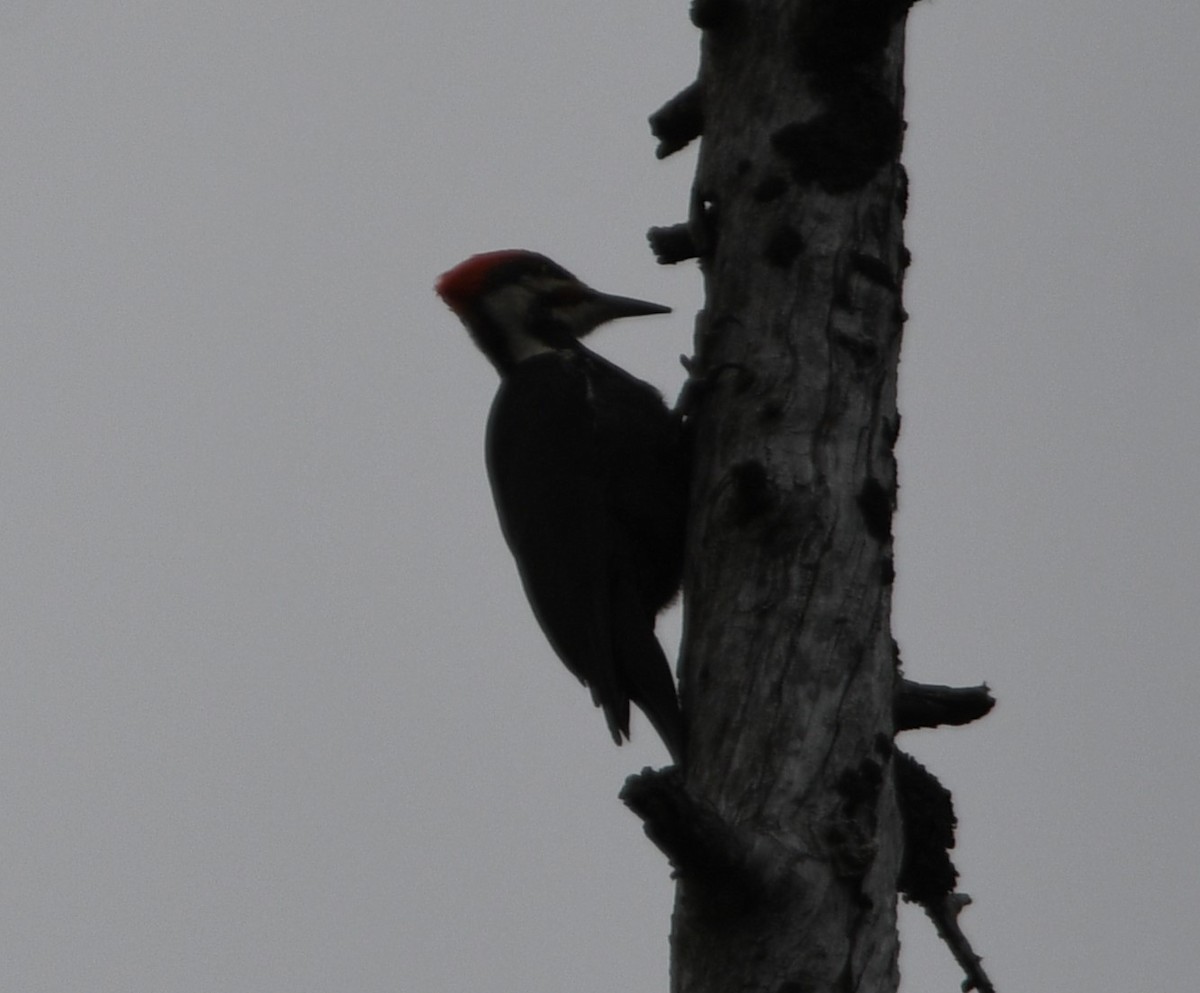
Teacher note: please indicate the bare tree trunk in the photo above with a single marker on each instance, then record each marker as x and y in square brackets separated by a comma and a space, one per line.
[788, 665]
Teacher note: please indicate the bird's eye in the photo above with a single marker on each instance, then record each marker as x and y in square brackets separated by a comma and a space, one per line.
[566, 294]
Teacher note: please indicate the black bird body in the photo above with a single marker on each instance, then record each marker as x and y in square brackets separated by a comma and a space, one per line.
[589, 475]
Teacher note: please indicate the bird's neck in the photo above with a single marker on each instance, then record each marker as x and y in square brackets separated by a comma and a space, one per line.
[519, 345]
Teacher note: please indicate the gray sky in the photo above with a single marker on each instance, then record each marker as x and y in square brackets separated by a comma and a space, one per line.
[274, 715]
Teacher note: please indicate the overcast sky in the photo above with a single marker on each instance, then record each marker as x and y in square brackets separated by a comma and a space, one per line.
[274, 716]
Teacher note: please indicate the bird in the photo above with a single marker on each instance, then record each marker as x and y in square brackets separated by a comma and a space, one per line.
[589, 473]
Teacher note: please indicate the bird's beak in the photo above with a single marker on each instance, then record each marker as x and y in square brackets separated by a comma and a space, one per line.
[613, 307]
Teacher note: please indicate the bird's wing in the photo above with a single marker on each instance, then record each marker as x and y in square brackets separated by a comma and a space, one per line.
[548, 482]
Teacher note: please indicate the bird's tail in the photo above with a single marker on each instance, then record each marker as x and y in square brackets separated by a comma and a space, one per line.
[646, 672]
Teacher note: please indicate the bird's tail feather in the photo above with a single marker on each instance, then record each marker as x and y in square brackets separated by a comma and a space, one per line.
[645, 671]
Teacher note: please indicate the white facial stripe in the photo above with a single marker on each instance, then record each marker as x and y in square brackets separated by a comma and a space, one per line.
[523, 346]
[508, 308]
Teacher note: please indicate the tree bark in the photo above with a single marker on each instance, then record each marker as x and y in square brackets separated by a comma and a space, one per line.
[788, 664]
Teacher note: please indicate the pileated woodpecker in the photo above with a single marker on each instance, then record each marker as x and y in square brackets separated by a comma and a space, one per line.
[589, 476]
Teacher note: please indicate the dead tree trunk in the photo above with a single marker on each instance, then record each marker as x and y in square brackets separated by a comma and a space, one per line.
[788, 665]
[797, 820]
